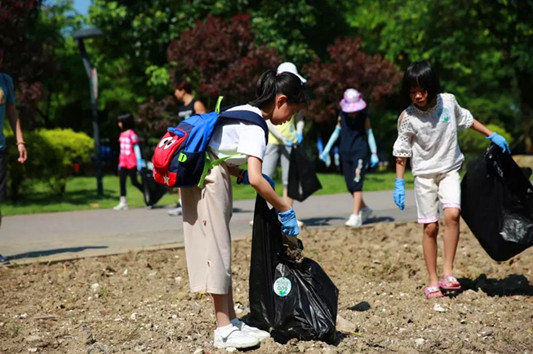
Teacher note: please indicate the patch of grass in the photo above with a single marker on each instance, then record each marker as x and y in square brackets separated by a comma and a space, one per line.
[80, 193]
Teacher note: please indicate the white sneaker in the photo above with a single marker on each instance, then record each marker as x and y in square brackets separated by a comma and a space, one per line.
[354, 220]
[176, 211]
[231, 337]
[300, 224]
[249, 330]
[121, 206]
[365, 214]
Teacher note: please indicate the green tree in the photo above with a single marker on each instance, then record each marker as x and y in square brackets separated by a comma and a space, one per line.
[482, 50]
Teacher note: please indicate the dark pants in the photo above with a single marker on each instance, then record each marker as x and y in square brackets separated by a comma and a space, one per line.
[353, 169]
[124, 173]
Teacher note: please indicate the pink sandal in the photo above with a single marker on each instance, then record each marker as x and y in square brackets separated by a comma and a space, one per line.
[432, 292]
[449, 282]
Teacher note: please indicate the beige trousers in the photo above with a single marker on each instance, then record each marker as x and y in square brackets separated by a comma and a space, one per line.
[206, 215]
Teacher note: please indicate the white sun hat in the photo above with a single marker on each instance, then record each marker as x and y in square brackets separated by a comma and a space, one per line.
[288, 67]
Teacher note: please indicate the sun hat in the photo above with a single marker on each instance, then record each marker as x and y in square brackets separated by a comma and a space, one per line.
[352, 101]
[288, 67]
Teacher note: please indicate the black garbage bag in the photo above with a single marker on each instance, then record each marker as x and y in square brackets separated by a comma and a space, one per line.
[152, 191]
[291, 297]
[497, 204]
[303, 180]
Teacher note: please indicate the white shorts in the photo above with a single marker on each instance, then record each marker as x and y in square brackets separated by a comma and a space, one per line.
[430, 189]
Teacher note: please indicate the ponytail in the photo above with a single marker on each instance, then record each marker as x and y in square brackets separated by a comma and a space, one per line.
[270, 85]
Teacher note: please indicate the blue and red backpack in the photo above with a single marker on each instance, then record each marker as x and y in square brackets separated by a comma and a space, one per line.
[181, 158]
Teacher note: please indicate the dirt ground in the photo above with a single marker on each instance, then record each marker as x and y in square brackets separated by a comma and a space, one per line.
[140, 302]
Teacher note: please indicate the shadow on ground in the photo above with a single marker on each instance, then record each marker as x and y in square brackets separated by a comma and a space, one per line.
[513, 284]
[35, 254]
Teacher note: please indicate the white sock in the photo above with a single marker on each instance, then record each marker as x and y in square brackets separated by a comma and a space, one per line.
[224, 329]
[123, 200]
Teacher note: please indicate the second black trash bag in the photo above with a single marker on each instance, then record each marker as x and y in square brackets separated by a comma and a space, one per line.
[287, 298]
[152, 191]
[497, 204]
[302, 175]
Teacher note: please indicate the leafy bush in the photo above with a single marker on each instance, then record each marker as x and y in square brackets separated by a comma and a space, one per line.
[50, 158]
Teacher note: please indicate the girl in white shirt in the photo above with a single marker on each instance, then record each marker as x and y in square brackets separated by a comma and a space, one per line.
[427, 133]
[207, 211]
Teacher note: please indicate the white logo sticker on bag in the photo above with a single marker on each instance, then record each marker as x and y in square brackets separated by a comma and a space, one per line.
[282, 286]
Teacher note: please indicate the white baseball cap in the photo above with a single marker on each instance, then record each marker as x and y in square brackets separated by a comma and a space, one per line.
[288, 67]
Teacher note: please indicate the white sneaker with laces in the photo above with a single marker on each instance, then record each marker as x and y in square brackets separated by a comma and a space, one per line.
[365, 214]
[252, 331]
[354, 220]
[121, 206]
[231, 337]
[175, 211]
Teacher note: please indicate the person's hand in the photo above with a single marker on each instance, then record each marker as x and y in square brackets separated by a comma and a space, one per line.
[399, 193]
[289, 225]
[288, 142]
[374, 160]
[246, 180]
[23, 153]
[299, 137]
[324, 156]
[500, 141]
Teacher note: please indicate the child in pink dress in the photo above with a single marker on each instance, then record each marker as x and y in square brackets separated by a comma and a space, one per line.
[129, 160]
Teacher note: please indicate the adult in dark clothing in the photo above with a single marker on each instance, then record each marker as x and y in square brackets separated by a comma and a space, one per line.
[357, 140]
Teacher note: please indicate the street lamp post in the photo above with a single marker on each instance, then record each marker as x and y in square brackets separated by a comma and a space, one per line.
[80, 36]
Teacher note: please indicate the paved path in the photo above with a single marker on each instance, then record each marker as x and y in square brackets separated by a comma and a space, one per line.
[58, 236]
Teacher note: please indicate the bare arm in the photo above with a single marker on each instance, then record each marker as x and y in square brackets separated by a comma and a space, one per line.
[260, 184]
[477, 126]
[400, 167]
[14, 121]
[199, 107]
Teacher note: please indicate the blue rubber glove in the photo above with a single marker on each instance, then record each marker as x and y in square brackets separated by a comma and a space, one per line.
[246, 180]
[374, 160]
[500, 141]
[324, 156]
[399, 193]
[299, 138]
[289, 225]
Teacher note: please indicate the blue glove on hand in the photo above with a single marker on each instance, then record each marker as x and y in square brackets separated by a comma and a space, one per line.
[246, 180]
[500, 141]
[299, 138]
[374, 160]
[399, 193]
[140, 165]
[289, 225]
[324, 156]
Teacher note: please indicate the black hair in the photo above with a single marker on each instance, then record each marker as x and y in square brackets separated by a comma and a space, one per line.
[183, 85]
[127, 121]
[1, 44]
[420, 74]
[270, 85]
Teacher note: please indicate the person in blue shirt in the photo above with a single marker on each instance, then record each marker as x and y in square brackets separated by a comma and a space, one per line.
[8, 109]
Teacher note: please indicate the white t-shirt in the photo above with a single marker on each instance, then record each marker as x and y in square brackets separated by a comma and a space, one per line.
[429, 137]
[238, 138]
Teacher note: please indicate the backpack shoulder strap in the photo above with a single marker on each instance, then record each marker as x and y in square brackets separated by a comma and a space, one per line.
[246, 116]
